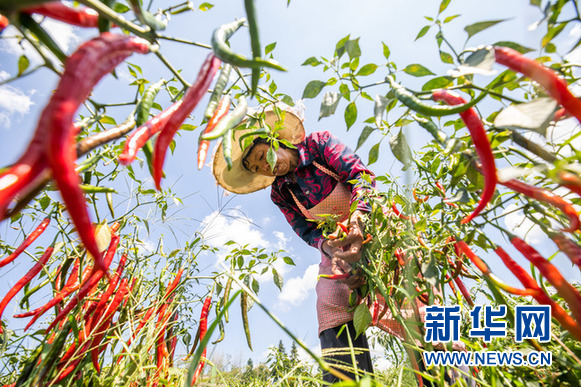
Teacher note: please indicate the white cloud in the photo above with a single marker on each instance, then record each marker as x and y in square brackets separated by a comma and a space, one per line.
[221, 227]
[297, 289]
[13, 101]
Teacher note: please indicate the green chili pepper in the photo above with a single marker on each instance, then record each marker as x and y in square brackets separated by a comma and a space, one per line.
[433, 129]
[227, 147]
[254, 41]
[93, 189]
[244, 308]
[256, 132]
[219, 87]
[411, 101]
[144, 105]
[230, 121]
[225, 53]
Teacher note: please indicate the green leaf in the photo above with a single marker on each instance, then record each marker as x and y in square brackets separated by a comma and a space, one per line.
[120, 8]
[269, 47]
[188, 127]
[437, 83]
[386, 51]
[514, 46]
[450, 18]
[379, 108]
[329, 104]
[312, 61]
[373, 154]
[44, 202]
[271, 157]
[417, 70]
[368, 69]
[364, 135]
[344, 90]
[443, 5]
[552, 33]
[206, 6]
[536, 2]
[361, 318]
[475, 28]
[23, 64]
[288, 261]
[340, 46]
[107, 120]
[401, 150]
[350, 114]
[278, 281]
[352, 47]
[422, 32]
[446, 58]
[313, 89]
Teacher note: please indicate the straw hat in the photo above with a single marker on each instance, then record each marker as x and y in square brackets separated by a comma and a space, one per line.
[240, 180]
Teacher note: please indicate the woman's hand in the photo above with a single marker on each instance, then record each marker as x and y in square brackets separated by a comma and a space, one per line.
[349, 247]
[355, 280]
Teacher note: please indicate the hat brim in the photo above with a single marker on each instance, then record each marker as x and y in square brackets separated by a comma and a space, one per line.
[240, 180]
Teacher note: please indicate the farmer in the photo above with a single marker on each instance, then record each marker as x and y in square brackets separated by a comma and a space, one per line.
[308, 181]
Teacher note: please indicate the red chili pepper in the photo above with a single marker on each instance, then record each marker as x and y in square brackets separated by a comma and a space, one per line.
[542, 298]
[443, 190]
[397, 213]
[568, 247]
[27, 242]
[547, 78]
[221, 111]
[464, 291]
[481, 144]
[24, 280]
[136, 140]
[100, 331]
[4, 22]
[190, 100]
[335, 276]
[92, 321]
[479, 263]
[80, 17]
[417, 198]
[71, 285]
[547, 197]
[203, 330]
[570, 180]
[368, 239]
[344, 228]
[552, 274]
[53, 142]
[400, 256]
[88, 285]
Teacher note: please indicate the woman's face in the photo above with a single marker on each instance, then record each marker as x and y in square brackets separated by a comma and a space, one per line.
[286, 161]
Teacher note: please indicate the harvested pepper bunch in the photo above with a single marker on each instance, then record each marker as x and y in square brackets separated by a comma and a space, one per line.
[53, 146]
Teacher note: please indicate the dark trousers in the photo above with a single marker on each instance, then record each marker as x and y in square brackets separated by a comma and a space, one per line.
[330, 340]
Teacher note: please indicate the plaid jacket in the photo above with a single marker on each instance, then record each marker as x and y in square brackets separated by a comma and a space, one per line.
[313, 185]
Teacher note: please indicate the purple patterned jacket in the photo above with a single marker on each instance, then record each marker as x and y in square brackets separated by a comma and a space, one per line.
[313, 185]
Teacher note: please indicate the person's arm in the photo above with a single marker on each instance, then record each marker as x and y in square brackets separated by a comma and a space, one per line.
[308, 231]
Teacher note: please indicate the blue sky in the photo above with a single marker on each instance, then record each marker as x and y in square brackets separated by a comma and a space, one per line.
[301, 30]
